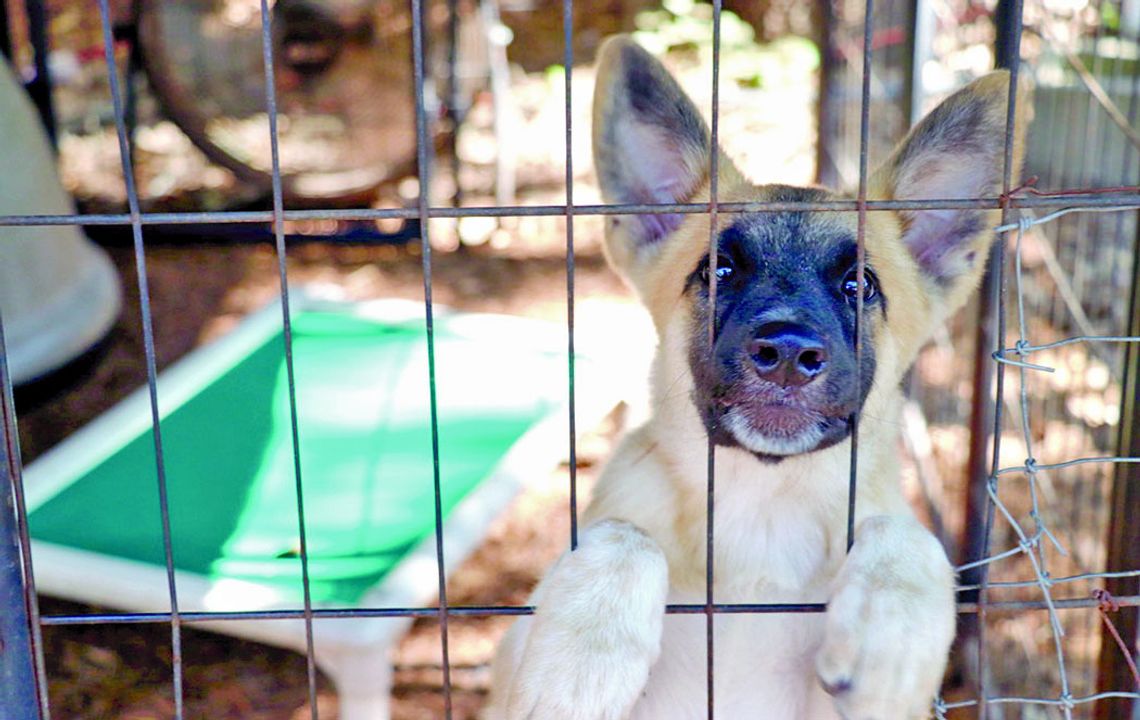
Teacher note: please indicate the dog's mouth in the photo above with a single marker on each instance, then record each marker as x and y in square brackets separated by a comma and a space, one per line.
[773, 428]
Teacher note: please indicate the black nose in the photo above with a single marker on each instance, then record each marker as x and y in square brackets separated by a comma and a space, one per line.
[787, 354]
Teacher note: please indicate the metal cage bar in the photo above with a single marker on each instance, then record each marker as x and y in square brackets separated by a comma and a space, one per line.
[125, 157]
[1123, 533]
[23, 682]
[287, 335]
[861, 254]
[424, 211]
[710, 447]
[1120, 198]
[571, 402]
[423, 163]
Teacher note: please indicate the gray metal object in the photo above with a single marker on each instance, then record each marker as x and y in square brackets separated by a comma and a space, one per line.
[17, 666]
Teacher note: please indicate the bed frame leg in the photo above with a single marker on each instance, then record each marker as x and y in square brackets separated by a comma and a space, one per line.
[363, 679]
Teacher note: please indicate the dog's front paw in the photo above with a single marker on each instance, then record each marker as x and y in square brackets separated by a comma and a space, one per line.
[889, 625]
[596, 629]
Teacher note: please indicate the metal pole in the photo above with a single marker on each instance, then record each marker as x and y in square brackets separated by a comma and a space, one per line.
[18, 697]
[981, 410]
[982, 406]
[1123, 542]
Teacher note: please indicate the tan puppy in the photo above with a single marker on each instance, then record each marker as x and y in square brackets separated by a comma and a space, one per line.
[774, 392]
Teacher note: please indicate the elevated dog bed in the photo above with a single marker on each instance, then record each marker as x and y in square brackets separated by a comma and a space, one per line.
[366, 463]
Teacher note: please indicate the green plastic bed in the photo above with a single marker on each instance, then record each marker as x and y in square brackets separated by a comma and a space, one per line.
[365, 458]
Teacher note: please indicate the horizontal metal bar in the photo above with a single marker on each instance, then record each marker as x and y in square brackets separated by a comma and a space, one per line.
[515, 610]
[265, 216]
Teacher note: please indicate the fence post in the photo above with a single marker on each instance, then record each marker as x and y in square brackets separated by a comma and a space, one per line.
[18, 697]
[1123, 541]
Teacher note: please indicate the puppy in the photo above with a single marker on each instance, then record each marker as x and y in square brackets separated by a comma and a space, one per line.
[773, 392]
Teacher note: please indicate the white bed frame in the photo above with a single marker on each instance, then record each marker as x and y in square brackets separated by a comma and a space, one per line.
[354, 652]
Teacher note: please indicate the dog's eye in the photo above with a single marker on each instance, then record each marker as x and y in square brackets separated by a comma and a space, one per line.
[850, 285]
[723, 269]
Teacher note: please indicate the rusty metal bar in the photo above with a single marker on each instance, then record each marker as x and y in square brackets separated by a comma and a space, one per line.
[977, 519]
[1082, 199]
[1067, 603]
[1123, 537]
[1007, 55]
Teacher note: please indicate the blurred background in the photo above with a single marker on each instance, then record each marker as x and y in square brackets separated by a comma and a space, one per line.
[495, 107]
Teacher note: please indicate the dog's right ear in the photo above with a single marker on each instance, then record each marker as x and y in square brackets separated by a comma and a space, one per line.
[650, 146]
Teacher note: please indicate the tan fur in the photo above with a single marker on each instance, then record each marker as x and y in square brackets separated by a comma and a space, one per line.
[780, 529]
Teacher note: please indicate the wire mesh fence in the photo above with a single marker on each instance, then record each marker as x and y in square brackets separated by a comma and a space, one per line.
[1059, 446]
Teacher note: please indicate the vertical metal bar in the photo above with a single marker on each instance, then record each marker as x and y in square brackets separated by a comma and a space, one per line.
[861, 254]
[40, 87]
[1123, 541]
[568, 60]
[149, 349]
[287, 331]
[1007, 55]
[827, 112]
[23, 689]
[17, 667]
[710, 494]
[423, 160]
[975, 527]
[1088, 498]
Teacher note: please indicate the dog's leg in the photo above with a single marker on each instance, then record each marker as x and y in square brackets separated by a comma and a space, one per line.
[586, 653]
[890, 621]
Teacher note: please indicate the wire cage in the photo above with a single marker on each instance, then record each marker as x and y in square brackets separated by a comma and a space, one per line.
[1071, 279]
[1045, 512]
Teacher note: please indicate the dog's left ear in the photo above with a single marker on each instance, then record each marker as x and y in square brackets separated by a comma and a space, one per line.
[956, 152]
[650, 146]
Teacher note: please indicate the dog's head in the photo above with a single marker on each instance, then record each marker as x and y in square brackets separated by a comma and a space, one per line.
[780, 376]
